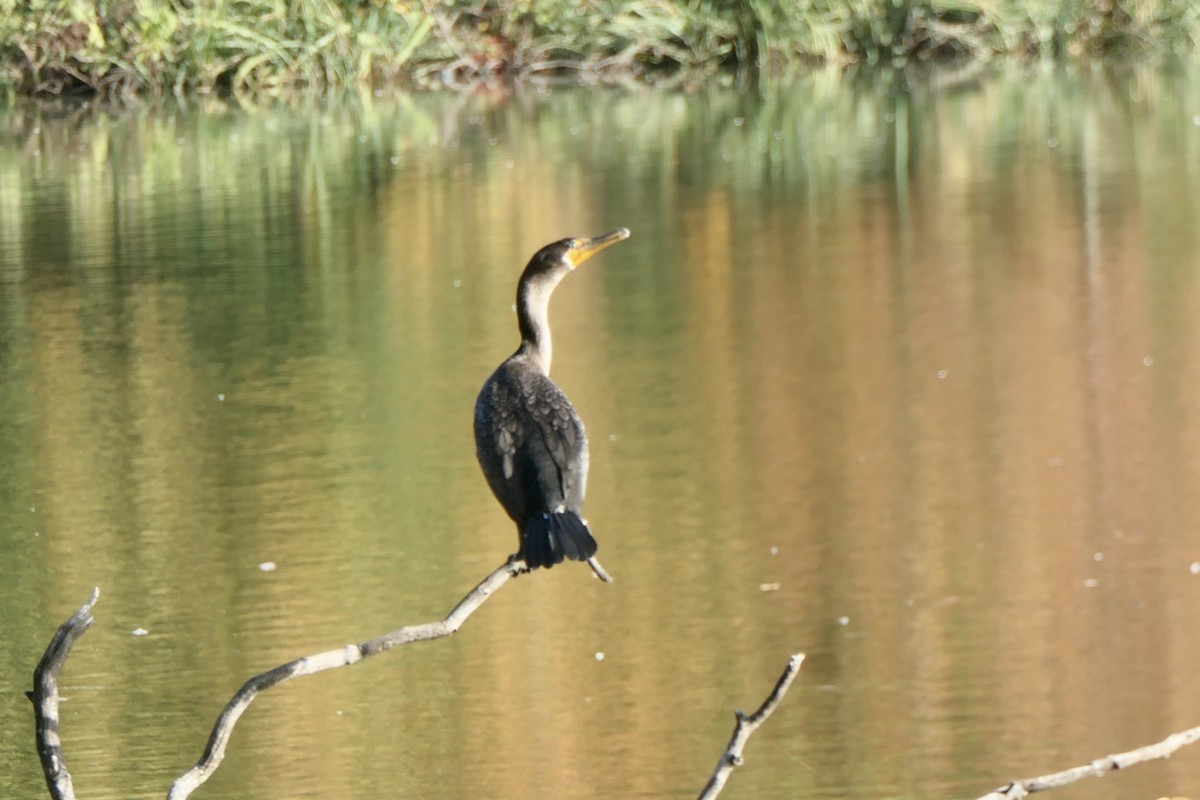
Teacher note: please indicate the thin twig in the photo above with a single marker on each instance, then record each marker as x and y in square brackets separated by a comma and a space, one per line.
[598, 568]
[45, 699]
[1096, 769]
[214, 752]
[746, 725]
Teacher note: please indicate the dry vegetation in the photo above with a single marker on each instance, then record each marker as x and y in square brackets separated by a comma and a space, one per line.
[114, 46]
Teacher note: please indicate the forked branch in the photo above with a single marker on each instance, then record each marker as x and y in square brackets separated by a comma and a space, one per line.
[746, 725]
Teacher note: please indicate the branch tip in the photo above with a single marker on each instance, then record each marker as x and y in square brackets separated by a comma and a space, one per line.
[214, 752]
[1097, 768]
[45, 698]
[746, 725]
[598, 568]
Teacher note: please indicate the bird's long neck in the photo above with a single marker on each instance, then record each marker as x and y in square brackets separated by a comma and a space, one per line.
[533, 318]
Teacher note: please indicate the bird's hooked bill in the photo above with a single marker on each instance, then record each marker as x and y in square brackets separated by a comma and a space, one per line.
[583, 249]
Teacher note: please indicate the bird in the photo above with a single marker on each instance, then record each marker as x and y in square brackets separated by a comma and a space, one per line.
[529, 439]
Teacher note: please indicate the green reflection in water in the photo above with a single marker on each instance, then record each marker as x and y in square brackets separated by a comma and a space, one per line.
[881, 342]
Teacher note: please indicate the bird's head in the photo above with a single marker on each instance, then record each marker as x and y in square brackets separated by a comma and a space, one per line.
[558, 258]
[547, 267]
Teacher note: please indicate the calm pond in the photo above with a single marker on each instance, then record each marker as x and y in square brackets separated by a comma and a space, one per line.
[903, 373]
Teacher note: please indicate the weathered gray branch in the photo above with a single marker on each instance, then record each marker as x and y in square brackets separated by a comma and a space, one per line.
[1096, 769]
[214, 752]
[732, 757]
[45, 699]
[598, 568]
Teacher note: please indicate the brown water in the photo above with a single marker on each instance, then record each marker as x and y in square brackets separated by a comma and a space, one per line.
[920, 359]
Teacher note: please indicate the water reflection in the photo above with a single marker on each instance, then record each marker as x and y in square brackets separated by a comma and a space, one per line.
[919, 352]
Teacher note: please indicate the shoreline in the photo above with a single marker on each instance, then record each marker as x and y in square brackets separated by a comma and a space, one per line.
[268, 46]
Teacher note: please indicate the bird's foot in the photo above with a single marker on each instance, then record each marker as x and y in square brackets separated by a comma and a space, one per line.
[518, 564]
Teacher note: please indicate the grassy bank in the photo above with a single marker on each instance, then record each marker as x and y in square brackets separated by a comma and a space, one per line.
[108, 46]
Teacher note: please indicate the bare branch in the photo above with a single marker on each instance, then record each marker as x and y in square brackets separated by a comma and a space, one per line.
[214, 752]
[732, 757]
[45, 699]
[1097, 769]
[598, 568]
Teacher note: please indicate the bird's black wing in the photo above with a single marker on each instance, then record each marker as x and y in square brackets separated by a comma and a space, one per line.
[562, 454]
[531, 444]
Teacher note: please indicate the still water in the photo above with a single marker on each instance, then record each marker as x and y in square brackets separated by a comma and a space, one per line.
[902, 373]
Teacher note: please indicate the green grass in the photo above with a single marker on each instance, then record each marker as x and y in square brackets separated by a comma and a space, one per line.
[115, 46]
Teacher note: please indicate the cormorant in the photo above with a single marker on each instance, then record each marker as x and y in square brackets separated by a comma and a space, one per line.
[528, 438]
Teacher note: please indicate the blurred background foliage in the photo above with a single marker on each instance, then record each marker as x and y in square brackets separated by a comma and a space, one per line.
[119, 46]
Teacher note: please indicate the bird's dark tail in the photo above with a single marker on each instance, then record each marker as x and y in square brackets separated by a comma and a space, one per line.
[549, 538]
